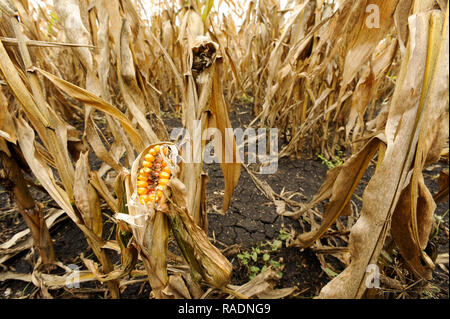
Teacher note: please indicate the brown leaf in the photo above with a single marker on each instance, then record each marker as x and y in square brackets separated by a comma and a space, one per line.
[443, 187]
[176, 288]
[86, 197]
[262, 286]
[423, 74]
[92, 100]
[402, 229]
[231, 168]
[42, 172]
[339, 186]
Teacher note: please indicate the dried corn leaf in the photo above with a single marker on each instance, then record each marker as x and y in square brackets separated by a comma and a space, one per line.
[443, 187]
[339, 186]
[20, 91]
[128, 85]
[7, 129]
[370, 33]
[98, 147]
[86, 197]
[8, 7]
[32, 43]
[103, 191]
[204, 102]
[423, 74]
[262, 286]
[39, 168]
[176, 288]
[205, 260]
[22, 240]
[69, 13]
[402, 230]
[71, 277]
[432, 138]
[230, 162]
[92, 100]
[9, 275]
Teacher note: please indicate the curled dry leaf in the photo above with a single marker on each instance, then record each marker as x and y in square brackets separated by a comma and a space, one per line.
[92, 100]
[262, 286]
[339, 186]
[205, 260]
[22, 240]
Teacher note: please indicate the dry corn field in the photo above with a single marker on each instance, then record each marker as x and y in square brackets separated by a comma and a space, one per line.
[258, 149]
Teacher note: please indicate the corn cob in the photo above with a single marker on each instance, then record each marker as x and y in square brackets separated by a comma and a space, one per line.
[153, 175]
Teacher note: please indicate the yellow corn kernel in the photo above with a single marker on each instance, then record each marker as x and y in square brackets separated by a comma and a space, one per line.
[142, 184]
[166, 169]
[163, 164]
[147, 164]
[164, 175]
[145, 171]
[142, 191]
[144, 199]
[143, 178]
[150, 157]
[163, 181]
[151, 197]
[157, 148]
[152, 152]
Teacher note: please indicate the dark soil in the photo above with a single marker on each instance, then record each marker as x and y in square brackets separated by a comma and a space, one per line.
[251, 221]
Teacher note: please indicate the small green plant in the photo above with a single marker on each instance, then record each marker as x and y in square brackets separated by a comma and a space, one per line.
[275, 245]
[248, 258]
[283, 235]
[330, 272]
[259, 258]
[439, 219]
[332, 163]
[247, 99]
[392, 78]
[52, 20]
